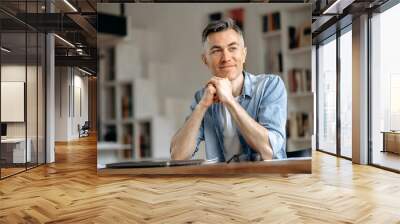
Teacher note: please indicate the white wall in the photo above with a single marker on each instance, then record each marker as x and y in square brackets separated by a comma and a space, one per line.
[61, 103]
[80, 82]
[14, 72]
[67, 82]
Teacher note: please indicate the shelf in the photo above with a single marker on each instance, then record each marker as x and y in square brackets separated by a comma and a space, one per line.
[117, 82]
[272, 34]
[124, 82]
[301, 94]
[109, 84]
[300, 50]
[127, 121]
[126, 110]
[112, 146]
[119, 121]
[109, 121]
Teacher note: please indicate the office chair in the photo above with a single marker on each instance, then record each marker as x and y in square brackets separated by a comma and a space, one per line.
[84, 130]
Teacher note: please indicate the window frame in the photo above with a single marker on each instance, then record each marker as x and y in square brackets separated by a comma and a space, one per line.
[333, 37]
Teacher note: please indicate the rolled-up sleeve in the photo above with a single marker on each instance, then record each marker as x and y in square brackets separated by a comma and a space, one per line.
[272, 114]
[200, 135]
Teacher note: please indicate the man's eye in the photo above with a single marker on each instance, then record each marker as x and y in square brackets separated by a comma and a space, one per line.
[233, 48]
[215, 51]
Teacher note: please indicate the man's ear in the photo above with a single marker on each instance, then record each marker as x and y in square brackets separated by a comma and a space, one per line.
[204, 59]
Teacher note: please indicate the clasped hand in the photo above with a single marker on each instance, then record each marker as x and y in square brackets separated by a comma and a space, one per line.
[217, 90]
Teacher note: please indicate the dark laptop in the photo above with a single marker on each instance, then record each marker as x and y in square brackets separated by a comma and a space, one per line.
[155, 163]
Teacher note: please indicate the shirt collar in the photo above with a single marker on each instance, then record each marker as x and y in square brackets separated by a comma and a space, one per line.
[247, 88]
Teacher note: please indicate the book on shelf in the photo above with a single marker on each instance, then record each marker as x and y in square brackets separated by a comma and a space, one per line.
[126, 100]
[274, 61]
[280, 61]
[305, 35]
[299, 80]
[144, 142]
[127, 135]
[126, 106]
[215, 16]
[300, 36]
[299, 125]
[237, 15]
[293, 41]
[271, 22]
[145, 139]
[110, 133]
[127, 139]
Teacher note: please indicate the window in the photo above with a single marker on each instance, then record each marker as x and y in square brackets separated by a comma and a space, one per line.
[327, 96]
[22, 77]
[346, 93]
[385, 86]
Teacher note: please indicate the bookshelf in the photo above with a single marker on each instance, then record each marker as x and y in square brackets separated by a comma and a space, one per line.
[129, 119]
[116, 108]
[287, 50]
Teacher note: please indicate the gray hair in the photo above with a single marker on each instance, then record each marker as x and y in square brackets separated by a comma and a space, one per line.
[219, 26]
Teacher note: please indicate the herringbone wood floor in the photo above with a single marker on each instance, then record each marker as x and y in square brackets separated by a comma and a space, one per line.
[70, 191]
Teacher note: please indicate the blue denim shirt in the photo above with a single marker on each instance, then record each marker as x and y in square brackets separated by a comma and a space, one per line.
[265, 100]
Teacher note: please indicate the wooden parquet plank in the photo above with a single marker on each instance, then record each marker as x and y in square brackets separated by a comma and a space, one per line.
[70, 191]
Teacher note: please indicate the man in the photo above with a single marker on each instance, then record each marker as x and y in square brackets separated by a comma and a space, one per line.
[240, 116]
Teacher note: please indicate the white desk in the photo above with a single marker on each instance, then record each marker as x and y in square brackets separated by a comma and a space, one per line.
[18, 149]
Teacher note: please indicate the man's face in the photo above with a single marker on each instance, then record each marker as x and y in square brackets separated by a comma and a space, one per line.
[225, 54]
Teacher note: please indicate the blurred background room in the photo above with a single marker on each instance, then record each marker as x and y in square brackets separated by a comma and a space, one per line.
[150, 67]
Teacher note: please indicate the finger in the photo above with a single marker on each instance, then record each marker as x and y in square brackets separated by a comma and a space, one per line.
[211, 88]
[213, 81]
[209, 82]
[216, 78]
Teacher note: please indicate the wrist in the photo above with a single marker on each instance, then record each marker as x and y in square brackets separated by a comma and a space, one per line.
[230, 101]
[202, 107]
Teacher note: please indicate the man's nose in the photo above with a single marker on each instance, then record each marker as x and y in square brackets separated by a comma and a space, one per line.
[226, 55]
